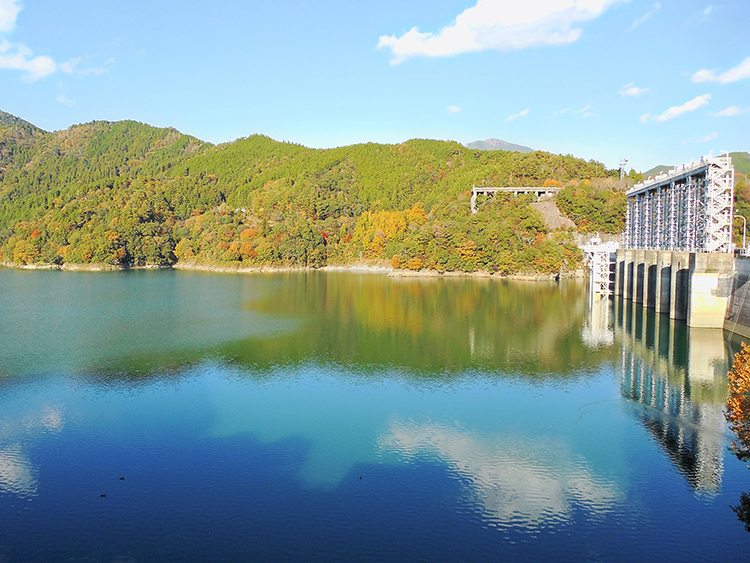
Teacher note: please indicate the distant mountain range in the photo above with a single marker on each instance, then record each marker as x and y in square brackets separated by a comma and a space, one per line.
[656, 170]
[497, 145]
[741, 161]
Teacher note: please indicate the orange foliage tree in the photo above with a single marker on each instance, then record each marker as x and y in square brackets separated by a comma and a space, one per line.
[738, 416]
[738, 403]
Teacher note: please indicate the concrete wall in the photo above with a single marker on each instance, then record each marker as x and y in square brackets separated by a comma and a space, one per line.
[706, 290]
[691, 286]
[737, 318]
[710, 288]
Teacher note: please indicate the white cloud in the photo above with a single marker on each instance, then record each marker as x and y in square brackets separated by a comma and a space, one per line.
[520, 114]
[687, 107]
[740, 72]
[19, 57]
[8, 13]
[68, 67]
[646, 16]
[707, 138]
[94, 71]
[71, 67]
[453, 109]
[16, 56]
[585, 113]
[644, 118]
[498, 24]
[64, 100]
[630, 90]
[731, 111]
[701, 16]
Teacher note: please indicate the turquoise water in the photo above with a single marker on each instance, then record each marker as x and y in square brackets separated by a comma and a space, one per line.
[176, 416]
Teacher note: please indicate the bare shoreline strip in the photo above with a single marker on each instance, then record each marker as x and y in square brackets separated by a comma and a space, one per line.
[360, 268]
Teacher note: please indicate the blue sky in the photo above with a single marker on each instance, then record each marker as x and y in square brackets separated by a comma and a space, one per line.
[656, 82]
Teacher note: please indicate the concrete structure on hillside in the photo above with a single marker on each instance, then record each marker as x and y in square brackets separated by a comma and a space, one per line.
[677, 256]
[540, 192]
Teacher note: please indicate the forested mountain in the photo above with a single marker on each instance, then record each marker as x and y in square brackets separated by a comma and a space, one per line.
[126, 193]
[17, 138]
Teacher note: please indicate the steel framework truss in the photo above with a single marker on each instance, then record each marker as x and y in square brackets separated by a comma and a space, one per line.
[688, 208]
[601, 258]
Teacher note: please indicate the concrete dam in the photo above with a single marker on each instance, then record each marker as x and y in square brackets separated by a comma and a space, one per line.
[677, 256]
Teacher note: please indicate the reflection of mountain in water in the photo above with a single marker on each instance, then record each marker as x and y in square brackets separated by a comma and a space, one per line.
[432, 327]
[135, 324]
[679, 373]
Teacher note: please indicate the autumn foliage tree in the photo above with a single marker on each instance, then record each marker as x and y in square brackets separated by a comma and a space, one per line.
[738, 403]
[738, 417]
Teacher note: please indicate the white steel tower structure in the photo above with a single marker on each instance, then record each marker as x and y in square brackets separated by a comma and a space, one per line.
[689, 208]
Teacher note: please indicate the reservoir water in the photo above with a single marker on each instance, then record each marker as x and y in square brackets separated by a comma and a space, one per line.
[155, 416]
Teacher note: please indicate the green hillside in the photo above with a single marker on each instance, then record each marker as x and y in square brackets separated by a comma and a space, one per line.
[17, 139]
[741, 161]
[129, 194]
[656, 170]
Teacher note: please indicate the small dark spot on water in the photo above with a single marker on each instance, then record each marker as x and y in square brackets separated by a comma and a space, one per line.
[122, 478]
[102, 496]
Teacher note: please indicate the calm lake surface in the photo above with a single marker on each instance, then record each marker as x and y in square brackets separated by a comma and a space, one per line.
[177, 416]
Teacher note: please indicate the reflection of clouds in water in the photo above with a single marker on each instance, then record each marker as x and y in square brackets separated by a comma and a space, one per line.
[52, 419]
[513, 483]
[16, 471]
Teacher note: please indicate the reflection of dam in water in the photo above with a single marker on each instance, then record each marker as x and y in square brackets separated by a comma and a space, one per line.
[679, 375]
[597, 327]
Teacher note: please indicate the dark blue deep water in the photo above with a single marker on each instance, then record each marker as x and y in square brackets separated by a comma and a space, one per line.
[159, 416]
